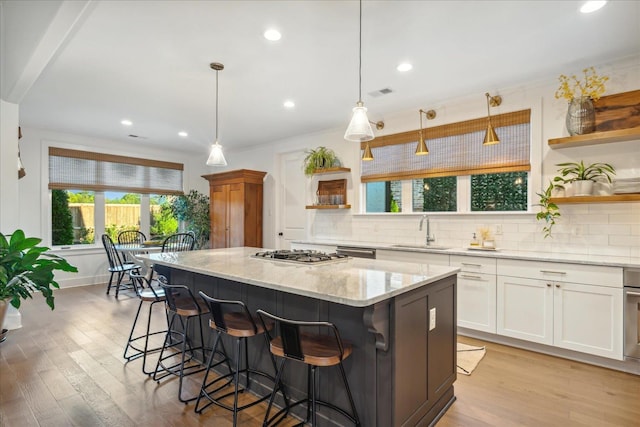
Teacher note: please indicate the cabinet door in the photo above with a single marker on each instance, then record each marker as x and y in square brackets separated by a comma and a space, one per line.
[235, 216]
[219, 195]
[477, 301]
[589, 319]
[525, 309]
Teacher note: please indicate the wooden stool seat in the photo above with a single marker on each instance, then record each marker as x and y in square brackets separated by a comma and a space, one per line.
[318, 350]
[238, 325]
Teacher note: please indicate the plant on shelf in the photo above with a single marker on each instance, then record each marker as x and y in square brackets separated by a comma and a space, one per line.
[550, 211]
[320, 158]
[583, 177]
[25, 268]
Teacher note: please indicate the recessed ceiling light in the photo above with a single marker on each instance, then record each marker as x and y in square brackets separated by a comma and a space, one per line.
[183, 134]
[405, 66]
[126, 122]
[289, 104]
[272, 35]
[592, 6]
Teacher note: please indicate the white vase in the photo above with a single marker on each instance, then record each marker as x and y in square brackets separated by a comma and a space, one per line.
[582, 188]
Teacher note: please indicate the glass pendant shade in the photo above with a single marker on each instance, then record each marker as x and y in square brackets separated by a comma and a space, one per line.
[367, 155]
[490, 138]
[421, 149]
[216, 157]
[359, 128]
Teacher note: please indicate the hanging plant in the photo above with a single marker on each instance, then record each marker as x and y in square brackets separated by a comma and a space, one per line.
[550, 211]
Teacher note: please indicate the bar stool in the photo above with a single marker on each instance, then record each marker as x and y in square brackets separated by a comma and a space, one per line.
[183, 306]
[151, 295]
[232, 318]
[315, 351]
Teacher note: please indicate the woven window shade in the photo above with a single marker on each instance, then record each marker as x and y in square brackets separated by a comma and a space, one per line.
[84, 170]
[454, 149]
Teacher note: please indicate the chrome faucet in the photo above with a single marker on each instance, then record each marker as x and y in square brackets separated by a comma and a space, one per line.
[429, 238]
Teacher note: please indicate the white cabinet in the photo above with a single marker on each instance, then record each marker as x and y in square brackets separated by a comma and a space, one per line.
[525, 309]
[413, 256]
[549, 309]
[476, 292]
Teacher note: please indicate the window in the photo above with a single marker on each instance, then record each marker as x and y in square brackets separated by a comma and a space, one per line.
[161, 219]
[435, 194]
[384, 196]
[93, 193]
[499, 192]
[487, 178]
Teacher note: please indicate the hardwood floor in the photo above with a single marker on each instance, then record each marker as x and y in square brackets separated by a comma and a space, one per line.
[65, 367]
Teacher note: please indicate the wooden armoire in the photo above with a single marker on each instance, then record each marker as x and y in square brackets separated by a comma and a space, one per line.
[236, 208]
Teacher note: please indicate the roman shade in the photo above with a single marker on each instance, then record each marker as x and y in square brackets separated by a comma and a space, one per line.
[454, 149]
[84, 170]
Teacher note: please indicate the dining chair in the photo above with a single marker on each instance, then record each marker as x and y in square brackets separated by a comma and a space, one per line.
[131, 237]
[117, 265]
[179, 242]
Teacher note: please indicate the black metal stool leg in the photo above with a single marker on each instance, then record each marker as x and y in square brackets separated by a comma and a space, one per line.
[353, 405]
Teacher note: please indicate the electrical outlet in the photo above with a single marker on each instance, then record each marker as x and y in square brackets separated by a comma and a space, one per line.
[499, 230]
[432, 319]
[577, 230]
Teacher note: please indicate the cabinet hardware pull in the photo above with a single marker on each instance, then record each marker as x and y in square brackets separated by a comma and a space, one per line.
[553, 272]
[633, 294]
[471, 265]
[466, 276]
[557, 286]
[548, 285]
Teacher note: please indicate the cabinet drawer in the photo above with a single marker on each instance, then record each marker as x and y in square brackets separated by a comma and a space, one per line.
[472, 264]
[560, 272]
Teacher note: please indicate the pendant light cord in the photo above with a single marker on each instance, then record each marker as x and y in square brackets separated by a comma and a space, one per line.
[216, 106]
[360, 57]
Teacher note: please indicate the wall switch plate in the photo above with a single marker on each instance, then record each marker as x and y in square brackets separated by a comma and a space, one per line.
[432, 319]
[499, 230]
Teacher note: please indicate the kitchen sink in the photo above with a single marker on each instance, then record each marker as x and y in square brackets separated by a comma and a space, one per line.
[435, 248]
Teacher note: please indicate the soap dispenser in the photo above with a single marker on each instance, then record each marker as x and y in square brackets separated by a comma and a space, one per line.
[474, 241]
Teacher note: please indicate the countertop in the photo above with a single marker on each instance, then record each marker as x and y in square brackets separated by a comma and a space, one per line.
[612, 261]
[355, 281]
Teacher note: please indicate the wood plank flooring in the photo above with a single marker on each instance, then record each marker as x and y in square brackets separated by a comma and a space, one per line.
[65, 367]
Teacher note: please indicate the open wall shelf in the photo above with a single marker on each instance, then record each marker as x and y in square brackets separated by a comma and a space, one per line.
[597, 199]
[596, 138]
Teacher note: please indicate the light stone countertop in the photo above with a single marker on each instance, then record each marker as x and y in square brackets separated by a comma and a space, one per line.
[356, 282]
[603, 260]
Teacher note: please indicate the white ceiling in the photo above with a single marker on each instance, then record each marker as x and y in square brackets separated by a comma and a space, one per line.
[99, 62]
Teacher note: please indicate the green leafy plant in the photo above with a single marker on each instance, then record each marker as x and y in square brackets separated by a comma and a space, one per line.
[320, 158]
[193, 209]
[26, 267]
[571, 171]
[550, 211]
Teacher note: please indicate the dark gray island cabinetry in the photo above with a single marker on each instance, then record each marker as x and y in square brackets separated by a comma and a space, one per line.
[400, 318]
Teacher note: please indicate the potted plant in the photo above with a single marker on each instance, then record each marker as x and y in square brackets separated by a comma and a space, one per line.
[581, 116]
[582, 177]
[320, 158]
[550, 211]
[26, 267]
[193, 209]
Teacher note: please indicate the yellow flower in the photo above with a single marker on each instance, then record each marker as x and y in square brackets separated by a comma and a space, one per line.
[592, 86]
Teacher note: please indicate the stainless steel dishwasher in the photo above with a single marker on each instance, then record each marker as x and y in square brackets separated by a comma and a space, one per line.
[355, 252]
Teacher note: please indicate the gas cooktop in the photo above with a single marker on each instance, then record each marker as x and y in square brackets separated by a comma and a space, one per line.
[300, 256]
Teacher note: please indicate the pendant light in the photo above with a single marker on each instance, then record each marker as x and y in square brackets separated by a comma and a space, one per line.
[491, 138]
[421, 149]
[216, 157]
[359, 128]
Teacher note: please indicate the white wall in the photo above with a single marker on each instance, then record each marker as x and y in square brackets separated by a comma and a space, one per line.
[608, 229]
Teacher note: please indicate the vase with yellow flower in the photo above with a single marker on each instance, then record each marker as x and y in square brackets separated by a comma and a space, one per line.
[581, 116]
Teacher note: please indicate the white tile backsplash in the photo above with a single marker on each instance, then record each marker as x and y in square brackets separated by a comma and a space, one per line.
[594, 229]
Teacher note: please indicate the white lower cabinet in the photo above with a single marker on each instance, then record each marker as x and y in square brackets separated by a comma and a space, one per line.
[585, 317]
[477, 301]
[525, 309]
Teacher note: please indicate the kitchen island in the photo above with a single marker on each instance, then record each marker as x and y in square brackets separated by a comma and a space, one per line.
[400, 318]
